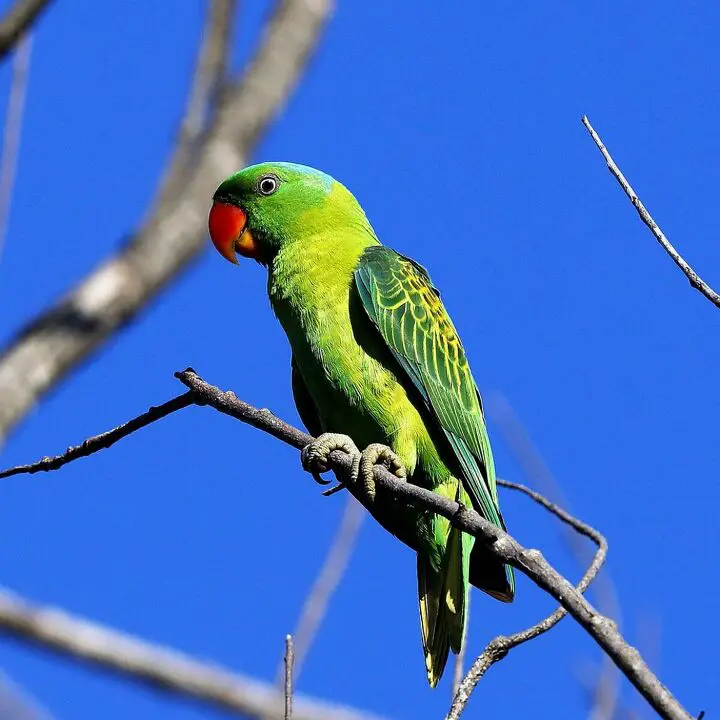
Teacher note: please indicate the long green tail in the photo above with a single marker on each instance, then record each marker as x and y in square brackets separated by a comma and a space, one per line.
[443, 596]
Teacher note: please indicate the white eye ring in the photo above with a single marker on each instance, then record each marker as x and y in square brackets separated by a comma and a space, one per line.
[268, 185]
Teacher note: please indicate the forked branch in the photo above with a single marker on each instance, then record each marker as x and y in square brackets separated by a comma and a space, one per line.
[160, 667]
[499, 647]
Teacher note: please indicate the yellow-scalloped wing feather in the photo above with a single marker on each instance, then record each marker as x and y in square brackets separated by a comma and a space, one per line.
[406, 308]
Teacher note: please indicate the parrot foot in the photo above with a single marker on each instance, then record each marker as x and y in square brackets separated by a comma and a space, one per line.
[314, 458]
[377, 454]
[315, 455]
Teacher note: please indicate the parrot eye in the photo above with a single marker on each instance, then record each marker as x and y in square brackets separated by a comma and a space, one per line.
[268, 184]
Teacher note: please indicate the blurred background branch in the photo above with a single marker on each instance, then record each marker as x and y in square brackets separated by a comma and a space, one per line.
[211, 72]
[17, 704]
[13, 130]
[51, 345]
[160, 667]
[331, 574]
[18, 20]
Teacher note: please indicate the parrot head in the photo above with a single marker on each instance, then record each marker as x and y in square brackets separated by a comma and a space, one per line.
[258, 209]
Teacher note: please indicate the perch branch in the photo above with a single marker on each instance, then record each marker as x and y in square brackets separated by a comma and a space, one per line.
[529, 561]
[60, 338]
[500, 646]
[695, 280]
[160, 667]
[104, 440]
[17, 21]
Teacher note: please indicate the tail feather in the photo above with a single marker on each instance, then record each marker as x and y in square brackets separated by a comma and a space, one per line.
[443, 596]
[489, 574]
[435, 637]
[454, 589]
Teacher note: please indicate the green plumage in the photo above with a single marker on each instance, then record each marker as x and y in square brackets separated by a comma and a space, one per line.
[376, 357]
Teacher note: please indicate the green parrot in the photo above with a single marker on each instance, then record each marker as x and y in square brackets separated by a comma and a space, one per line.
[376, 362]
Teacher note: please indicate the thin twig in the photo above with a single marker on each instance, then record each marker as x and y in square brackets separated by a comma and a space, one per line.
[17, 21]
[504, 547]
[289, 660]
[55, 342]
[695, 280]
[160, 667]
[607, 686]
[327, 581]
[104, 440]
[13, 130]
[500, 646]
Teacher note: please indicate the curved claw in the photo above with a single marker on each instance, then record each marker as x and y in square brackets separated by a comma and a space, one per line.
[319, 479]
[377, 454]
[314, 457]
[313, 464]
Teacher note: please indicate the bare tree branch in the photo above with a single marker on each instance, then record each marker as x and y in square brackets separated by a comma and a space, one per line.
[104, 440]
[500, 646]
[529, 561]
[17, 21]
[163, 668]
[695, 280]
[327, 581]
[13, 130]
[57, 341]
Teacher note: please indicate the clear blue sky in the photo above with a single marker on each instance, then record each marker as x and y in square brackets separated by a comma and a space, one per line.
[458, 128]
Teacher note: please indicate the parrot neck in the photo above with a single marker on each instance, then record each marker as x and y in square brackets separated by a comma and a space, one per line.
[314, 272]
[310, 277]
[315, 263]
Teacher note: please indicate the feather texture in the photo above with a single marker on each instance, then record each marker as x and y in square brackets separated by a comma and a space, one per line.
[406, 308]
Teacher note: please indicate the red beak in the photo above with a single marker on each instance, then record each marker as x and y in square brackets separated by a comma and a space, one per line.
[227, 225]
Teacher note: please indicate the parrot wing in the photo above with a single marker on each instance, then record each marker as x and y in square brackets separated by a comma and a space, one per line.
[405, 307]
